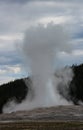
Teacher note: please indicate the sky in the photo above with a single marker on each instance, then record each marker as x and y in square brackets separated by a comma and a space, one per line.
[16, 16]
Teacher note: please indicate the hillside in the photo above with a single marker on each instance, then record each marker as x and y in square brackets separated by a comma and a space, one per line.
[76, 85]
[17, 90]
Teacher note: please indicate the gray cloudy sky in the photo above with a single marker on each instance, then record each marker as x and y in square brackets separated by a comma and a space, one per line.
[18, 15]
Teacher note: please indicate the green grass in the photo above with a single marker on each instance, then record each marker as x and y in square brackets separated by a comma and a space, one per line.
[25, 125]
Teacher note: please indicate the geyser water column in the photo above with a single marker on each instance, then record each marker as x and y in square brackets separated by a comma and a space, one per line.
[40, 45]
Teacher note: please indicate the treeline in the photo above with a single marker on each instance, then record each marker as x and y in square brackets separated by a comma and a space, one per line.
[15, 90]
[76, 85]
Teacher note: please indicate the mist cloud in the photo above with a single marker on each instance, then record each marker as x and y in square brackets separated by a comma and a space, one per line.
[40, 47]
[17, 15]
[40, 42]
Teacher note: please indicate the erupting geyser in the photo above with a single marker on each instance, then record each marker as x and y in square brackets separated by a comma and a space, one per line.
[40, 47]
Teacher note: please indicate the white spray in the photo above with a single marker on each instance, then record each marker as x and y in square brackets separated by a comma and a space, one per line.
[40, 47]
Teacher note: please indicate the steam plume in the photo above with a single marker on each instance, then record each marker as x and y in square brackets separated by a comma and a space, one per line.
[40, 47]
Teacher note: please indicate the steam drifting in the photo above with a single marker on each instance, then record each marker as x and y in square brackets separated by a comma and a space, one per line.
[40, 47]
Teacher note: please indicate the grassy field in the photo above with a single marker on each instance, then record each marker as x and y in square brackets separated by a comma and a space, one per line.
[24, 125]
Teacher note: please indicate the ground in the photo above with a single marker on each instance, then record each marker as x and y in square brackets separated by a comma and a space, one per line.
[53, 118]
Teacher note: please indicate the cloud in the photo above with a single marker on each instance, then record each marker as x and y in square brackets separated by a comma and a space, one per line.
[24, 1]
[9, 58]
[15, 1]
[64, 59]
[18, 15]
[8, 69]
[21, 16]
[56, 20]
[6, 79]
[8, 73]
